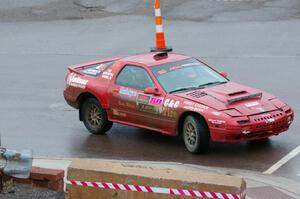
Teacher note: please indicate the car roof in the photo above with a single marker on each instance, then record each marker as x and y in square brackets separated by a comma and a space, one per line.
[149, 58]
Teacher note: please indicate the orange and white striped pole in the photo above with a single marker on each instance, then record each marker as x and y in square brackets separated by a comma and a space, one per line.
[160, 35]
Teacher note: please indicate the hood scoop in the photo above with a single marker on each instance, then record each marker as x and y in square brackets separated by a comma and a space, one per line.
[197, 94]
[252, 96]
[237, 93]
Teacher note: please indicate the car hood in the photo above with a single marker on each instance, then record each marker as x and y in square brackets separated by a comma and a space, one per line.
[244, 99]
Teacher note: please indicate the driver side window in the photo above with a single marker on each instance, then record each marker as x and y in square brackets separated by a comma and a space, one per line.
[134, 77]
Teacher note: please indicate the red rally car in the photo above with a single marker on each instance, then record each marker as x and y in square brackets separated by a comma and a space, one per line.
[173, 94]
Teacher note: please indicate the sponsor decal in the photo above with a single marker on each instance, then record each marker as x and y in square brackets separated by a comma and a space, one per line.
[171, 103]
[260, 109]
[216, 113]
[161, 72]
[251, 104]
[192, 106]
[175, 68]
[118, 113]
[143, 99]
[149, 108]
[270, 120]
[157, 101]
[170, 113]
[108, 74]
[200, 106]
[127, 104]
[245, 132]
[95, 70]
[91, 71]
[190, 64]
[216, 121]
[149, 104]
[128, 92]
[189, 103]
[76, 81]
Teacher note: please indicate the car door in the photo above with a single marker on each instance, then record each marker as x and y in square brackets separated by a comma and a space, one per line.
[129, 103]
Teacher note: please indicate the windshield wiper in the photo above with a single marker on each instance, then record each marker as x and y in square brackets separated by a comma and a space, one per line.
[182, 89]
[211, 83]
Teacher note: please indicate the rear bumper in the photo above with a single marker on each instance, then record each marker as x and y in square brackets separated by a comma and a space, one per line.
[70, 99]
[257, 129]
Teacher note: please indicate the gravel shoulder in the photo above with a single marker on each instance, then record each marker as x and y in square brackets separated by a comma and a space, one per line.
[21, 191]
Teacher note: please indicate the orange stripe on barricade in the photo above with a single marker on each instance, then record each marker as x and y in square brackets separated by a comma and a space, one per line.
[160, 40]
[156, 4]
[158, 20]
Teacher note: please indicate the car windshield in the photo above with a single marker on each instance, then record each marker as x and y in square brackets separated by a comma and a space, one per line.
[186, 75]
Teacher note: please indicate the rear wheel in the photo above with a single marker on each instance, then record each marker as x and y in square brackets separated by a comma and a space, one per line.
[95, 117]
[195, 134]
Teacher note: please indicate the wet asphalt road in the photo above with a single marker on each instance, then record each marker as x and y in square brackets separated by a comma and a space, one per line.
[34, 57]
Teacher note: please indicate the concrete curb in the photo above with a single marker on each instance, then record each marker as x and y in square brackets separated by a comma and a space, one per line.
[252, 178]
[138, 180]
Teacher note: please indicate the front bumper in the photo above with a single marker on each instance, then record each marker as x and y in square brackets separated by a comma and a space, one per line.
[259, 127]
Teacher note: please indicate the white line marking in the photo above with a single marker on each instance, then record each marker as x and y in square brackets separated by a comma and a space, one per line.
[284, 160]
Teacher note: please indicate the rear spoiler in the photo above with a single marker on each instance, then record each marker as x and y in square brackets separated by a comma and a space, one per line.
[76, 68]
[252, 96]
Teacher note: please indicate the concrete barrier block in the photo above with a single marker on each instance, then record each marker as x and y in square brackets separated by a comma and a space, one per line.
[42, 177]
[141, 174]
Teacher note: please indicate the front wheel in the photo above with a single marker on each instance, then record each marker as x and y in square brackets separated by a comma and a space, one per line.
[195, 134]
[95, 117]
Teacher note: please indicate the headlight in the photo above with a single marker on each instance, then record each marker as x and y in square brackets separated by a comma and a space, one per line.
[278, 103]
[233, 113]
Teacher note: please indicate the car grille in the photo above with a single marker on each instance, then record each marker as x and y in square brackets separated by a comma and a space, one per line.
[268, 120]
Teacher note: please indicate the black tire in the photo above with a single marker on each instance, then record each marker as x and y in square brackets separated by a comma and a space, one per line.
[195, 134]
[94, 117]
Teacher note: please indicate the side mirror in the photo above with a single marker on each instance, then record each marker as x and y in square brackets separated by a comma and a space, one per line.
[224, 74]
[152, 91]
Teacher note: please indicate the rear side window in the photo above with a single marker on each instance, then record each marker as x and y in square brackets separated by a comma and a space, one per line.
[134, 77]
[97, 69]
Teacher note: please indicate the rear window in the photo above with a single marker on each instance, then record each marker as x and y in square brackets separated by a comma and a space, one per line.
[96, 69]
